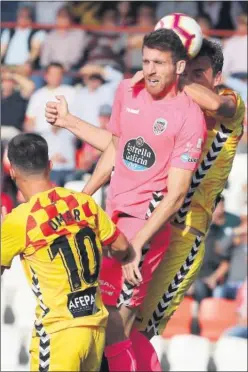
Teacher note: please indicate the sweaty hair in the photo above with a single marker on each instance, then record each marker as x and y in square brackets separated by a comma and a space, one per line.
[214, 52]
[166, 40]
[29, 153]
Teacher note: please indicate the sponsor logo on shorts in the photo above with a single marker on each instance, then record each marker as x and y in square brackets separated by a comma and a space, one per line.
[159, 126]
[106, 284]
[82, 303]
[138, 155]
[186, 158]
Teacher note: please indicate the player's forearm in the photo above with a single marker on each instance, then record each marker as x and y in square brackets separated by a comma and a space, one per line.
[209, 100]
[204, 97]
[102, 172]
[161, 215]
[96, 137]
[120, 248]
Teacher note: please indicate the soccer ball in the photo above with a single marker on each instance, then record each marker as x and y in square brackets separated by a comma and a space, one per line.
[186, 28]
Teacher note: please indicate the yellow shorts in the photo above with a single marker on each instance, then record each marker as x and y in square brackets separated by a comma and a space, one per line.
[71, 349]
[171, 280]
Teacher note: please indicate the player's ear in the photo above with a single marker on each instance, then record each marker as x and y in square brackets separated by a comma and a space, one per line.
[181, 65]
[218, 78]
[12, 173]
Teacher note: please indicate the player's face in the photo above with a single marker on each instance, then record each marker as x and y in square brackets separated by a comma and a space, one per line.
[200, 71]
[160, 71]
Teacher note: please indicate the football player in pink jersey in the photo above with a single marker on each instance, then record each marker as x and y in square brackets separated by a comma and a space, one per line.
[157, 135]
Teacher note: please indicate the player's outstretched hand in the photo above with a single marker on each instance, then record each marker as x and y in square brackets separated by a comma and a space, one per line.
[57, 112]
[130, 268]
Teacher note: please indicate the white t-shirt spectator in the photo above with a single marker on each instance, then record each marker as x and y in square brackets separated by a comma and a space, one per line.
[37, 103]
[87, 104]
[18, 49]
[235, 194]
[235, 55]
[61, 143]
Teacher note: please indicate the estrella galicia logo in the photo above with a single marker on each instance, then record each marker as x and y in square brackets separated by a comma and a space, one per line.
[159, 126]
[138, 155]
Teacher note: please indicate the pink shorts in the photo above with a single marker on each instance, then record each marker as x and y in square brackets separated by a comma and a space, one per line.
[117, 292]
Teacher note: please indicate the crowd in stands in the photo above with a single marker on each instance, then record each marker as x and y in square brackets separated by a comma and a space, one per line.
[86, 66]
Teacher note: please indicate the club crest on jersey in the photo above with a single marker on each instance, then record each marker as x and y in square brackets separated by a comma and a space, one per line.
[138, 155]
[159, 126]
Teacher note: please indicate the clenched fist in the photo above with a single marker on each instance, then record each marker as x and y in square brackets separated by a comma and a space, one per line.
[57, 112]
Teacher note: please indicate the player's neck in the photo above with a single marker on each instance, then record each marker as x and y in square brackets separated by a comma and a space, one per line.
[30, 188]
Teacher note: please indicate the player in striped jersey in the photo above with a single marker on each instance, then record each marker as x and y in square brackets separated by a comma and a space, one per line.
[59, 235]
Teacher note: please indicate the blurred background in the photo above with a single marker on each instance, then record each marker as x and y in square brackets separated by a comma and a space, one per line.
[82, 50]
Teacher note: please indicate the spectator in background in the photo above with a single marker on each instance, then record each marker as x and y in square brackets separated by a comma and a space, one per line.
[235, 52]
[167, 7]
[241, 328]
[88, 155]
[242, 148]
[62, 152]
[65, 44]
[204, 22]
[35, 118]
[215, 264]
[124, 15]
[16, 91]
[22, 44]
[145, 19]
[85, 12]
[107, 44]
[236, 192]
[223, 14]
[238, 265]
[100, 86]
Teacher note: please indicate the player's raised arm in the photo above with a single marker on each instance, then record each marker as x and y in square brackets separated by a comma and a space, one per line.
[103, 169]
[222, 105]
[201, 82]
[107, 161]
[57, 114]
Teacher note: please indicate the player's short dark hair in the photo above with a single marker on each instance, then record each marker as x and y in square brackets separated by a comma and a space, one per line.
[166, 40]
[55, 64]
[29, 153]
[214, 52]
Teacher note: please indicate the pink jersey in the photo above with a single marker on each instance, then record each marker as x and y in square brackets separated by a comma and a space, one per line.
[154, 135]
